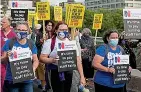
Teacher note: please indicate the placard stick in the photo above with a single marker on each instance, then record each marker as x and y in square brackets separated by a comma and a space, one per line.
[44, 31]
[95, 37]
[72, 33]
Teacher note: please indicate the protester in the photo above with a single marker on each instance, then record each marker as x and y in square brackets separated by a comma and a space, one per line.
[40, 72]
[88, 52]
[49, 25]
[76, 76]
[127, 46]
[103, 79]
[6, 33]
[47, 56]
[20, 42]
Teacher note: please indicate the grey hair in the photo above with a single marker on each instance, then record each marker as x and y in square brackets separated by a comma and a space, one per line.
[22, 23]
[8, 18]
[86, 30]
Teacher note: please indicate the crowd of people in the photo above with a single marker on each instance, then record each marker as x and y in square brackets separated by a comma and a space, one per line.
[45, 58]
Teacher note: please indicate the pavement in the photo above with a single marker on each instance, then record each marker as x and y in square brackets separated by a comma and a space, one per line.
[90, 87]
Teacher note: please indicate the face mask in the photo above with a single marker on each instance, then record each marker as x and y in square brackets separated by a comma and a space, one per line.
[113, 42]
[63, 34]
[22, 35]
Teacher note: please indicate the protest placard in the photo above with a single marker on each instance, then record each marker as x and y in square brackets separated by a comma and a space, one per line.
[97, 23]
[57, 13]
[20, 4]
[67, 56]
[75, 15]
[19, 15]
[121, 66]
[43, 10]
[32, 16]
[132, 22]
[21, 65]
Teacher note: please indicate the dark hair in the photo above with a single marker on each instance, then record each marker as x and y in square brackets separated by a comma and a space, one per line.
[57, 26]
[108, 33]
[49, 21]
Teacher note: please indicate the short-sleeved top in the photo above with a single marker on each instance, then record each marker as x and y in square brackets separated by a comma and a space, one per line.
[16, 46]
[105, 78]
[4, 38]
[47, 48]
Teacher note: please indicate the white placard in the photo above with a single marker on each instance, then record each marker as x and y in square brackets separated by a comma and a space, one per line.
[66, 45]
[131, 13]
[121, 59]
[20, 4]
[20, 54]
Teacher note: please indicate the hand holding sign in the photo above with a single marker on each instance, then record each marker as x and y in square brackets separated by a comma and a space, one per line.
[55, 60]
[111, 70]
[9, 53]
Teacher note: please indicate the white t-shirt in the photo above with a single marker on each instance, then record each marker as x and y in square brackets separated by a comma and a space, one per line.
[47, 48]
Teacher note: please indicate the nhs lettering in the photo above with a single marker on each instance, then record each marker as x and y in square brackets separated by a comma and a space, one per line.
[61, 45]
[14, 4]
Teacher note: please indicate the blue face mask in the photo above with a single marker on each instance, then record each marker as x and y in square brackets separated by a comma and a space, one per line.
[113, 42]
[22, 35]
[63, 34]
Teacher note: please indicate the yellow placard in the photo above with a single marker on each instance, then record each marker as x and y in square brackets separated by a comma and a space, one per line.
[75, 15]
[57, 13]
[43, 10]
[32, 15]
[97, 23]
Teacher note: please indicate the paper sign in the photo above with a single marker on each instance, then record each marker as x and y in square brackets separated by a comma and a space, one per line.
[132, 22]
[43, 10]
[131, 13]
[121, 66]
[32, 16]
[97, 23]
[57, 13]
[20, 4]
[75, 15]
[21, 65]
[67, 56]
[19, 15]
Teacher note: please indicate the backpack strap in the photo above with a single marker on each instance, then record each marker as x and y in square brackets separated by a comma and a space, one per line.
[30, 44]
[53, 40]
[122, 50]
[11, 43]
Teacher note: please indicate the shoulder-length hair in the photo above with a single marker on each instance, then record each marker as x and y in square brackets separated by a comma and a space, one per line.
[108, 33]
[57, 26]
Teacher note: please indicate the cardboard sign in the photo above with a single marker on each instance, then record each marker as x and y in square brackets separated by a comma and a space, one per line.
[43, 10]
[132, 22]
[97, 23]
[75, 15]
[32, 16]
[19, 15]
[132, 28]
[57, 13]
[121, 66]
[67, 56]
[21, 65]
